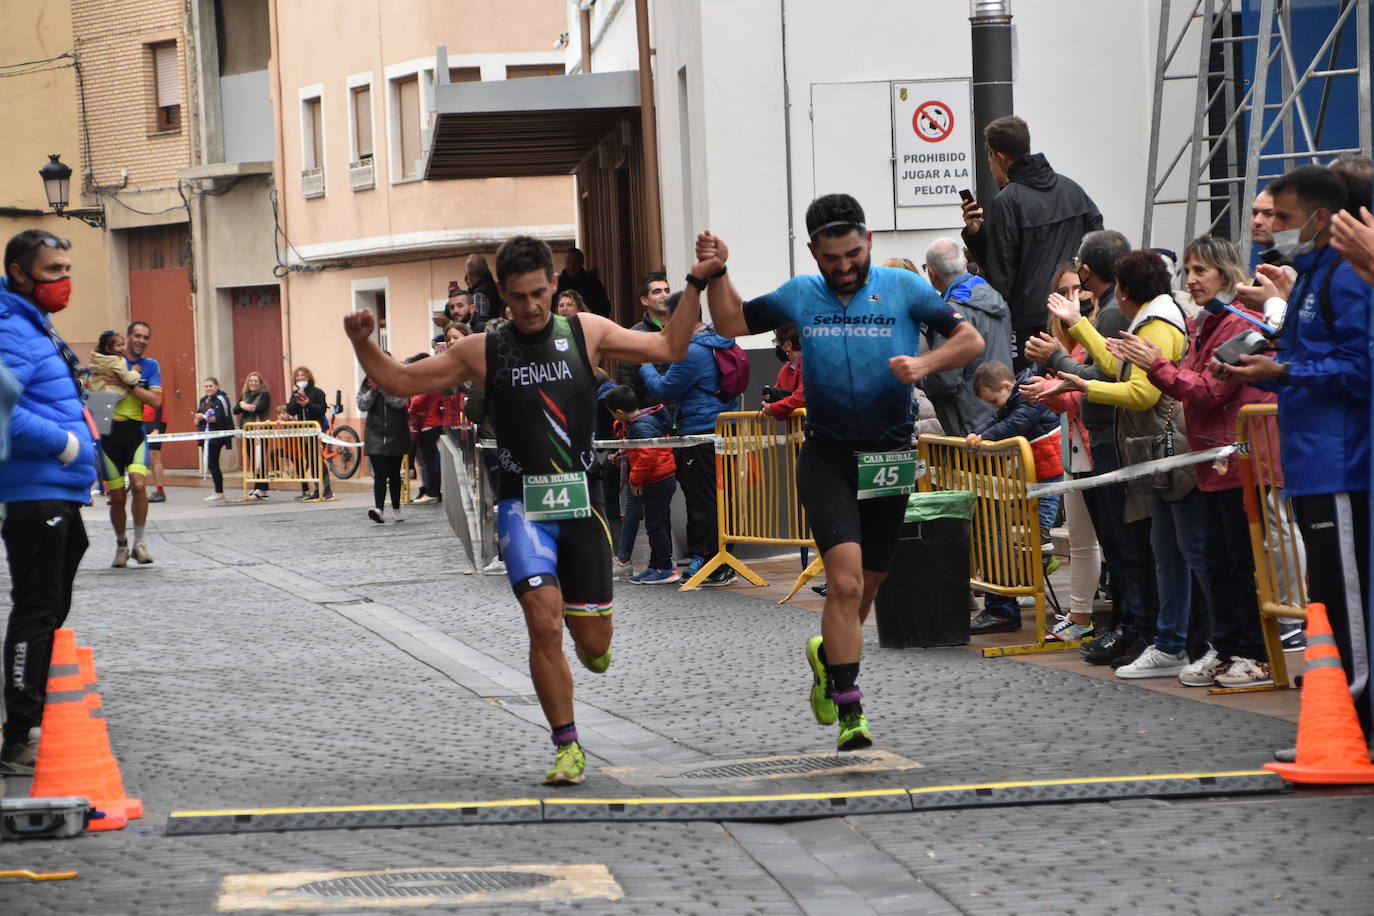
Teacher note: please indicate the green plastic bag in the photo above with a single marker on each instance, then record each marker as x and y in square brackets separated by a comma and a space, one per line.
[922, 507]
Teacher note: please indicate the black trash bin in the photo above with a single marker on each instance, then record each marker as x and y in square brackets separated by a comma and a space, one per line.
[924, 600]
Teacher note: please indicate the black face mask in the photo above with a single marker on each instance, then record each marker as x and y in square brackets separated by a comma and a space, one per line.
[1085, 307]
[781, 354]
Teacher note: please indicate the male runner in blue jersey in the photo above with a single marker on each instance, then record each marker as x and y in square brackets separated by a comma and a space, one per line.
[860, 330]
[537, 374]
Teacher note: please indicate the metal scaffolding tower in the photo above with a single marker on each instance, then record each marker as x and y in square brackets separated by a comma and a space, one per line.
[1226, 149]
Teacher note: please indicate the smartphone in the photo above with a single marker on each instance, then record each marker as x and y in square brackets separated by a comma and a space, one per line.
[966, 196]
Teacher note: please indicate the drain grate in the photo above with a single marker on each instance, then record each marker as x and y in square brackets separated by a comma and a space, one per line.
[438, 883]
[516, 701]
[777, 766]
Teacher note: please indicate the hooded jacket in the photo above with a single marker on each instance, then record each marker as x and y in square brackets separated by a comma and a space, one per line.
[693, 383]
[951, 390]
[628, 373]
[1039, 424]
[1324, 403]
[1034, 224]
[647, 465]
[48, 408]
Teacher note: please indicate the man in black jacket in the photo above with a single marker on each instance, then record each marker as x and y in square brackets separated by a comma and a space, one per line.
[653, 289]
[577, 277]
[486, 301]
[1036, 221]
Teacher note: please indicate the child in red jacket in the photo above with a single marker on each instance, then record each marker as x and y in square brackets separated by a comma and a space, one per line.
[653, 479]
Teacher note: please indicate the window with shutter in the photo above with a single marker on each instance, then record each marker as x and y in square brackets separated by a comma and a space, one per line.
[362, 122]
[408, 123]
[464, 74]
[314, 135]
[521, 71]
[166, 86]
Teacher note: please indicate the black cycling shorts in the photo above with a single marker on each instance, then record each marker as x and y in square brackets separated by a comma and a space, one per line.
[124, 449]
[828, 486]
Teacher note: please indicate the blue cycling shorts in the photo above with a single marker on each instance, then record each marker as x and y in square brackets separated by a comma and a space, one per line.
[572, 555]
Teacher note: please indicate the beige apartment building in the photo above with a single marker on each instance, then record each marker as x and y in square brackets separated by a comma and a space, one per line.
[39, 97]
[359, 225]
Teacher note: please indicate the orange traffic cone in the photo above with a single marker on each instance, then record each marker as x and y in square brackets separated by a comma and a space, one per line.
[1331, 745]
[74, 756]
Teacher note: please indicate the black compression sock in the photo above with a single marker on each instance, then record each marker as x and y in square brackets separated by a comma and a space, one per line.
[842, 677]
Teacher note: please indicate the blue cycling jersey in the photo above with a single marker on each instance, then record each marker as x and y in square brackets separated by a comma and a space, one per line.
[851, 395]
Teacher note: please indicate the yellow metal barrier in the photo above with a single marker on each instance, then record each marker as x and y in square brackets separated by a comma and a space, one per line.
[1275, 540]
[1006, 522]
[756, 491]
[285, 452]
[405, 480]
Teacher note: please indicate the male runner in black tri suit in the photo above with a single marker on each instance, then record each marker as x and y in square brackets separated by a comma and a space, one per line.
[537, 373]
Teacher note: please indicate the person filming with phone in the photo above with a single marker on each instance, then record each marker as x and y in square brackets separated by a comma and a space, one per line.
[780, 399]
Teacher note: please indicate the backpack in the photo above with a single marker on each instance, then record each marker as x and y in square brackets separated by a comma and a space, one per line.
[733, 364]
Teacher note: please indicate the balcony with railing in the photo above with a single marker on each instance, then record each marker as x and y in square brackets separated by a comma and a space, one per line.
[361, 174]
[312, 183]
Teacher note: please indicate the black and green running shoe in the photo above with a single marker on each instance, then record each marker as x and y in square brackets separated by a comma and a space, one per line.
[854, 733]
[822, 707]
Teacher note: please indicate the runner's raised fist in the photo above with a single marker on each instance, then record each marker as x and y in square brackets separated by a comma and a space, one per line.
[359, 325]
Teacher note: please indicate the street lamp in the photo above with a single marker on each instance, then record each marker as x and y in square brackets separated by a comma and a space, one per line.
[57, 177]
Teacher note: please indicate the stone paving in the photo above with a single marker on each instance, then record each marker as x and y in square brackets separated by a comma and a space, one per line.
[286, 655]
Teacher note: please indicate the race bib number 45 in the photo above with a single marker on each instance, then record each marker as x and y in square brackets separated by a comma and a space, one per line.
[554, 497]
[886, 474]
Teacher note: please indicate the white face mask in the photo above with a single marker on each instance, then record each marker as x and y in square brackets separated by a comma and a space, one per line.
[1288, 242]
[302, 383]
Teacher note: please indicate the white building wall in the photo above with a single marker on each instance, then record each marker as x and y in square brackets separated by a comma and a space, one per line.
[1083, 81]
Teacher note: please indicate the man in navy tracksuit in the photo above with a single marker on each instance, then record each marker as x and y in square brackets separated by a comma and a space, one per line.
[1321, 373]
[43, 484]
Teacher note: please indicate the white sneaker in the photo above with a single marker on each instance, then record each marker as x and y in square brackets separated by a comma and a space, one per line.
[496, 567]
[396, 516]
[1246, 672]
[1204, 671]
[212, 497]
[423, 500]
[621, 570]
[1154, 663]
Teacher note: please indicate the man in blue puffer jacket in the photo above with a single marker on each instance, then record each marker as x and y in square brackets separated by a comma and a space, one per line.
[694, 386]
[44, 482]
[1321, 374]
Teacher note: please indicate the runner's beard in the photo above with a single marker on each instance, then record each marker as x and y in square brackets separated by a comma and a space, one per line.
[853, 286]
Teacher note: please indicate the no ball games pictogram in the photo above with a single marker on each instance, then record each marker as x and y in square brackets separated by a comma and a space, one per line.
[933, 121]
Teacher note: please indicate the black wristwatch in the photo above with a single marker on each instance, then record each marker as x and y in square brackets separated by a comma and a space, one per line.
[1284, 375]
[696, 281]
[720, 273]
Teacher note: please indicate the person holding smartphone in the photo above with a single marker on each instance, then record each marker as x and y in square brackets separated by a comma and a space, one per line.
[787, 395]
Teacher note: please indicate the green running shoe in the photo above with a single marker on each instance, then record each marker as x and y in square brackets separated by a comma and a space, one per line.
[594, 665]
[569, 766]
[822, 707]
[854, 733]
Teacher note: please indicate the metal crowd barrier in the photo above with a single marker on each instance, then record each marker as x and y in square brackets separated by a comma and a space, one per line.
[756, 491]
[1006, 542]
[1275, 539]
[282, 452]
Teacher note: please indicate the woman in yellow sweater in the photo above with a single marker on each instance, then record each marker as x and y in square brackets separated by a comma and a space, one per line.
[1145, 417]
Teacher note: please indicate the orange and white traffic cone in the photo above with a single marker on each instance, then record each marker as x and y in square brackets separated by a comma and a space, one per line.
[1332, 749]
[74, 756]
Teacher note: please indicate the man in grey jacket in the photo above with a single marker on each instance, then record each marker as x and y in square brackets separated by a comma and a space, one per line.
[951, 391]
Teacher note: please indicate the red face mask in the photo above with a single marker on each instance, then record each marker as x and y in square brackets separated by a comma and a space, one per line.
[52, 295]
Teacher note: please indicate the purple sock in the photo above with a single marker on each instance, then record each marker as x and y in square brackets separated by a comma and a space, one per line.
[564, 734]
[847, 696]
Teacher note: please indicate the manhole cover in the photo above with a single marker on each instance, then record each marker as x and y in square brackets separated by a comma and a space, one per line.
[449, 883]
[775, 767]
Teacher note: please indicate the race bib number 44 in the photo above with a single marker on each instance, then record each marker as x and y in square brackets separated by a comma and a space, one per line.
[554, 497]
[886, 474]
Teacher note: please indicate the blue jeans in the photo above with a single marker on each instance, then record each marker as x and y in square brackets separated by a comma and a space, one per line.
[1179, 538]
[657, 499]
[1004, 605]
[1049, 508]
[629, 523]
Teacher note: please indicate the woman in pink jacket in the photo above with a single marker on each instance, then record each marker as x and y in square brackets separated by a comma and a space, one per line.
[1237, 657]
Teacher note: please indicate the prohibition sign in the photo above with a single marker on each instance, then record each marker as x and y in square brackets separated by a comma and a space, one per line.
[933, 121]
